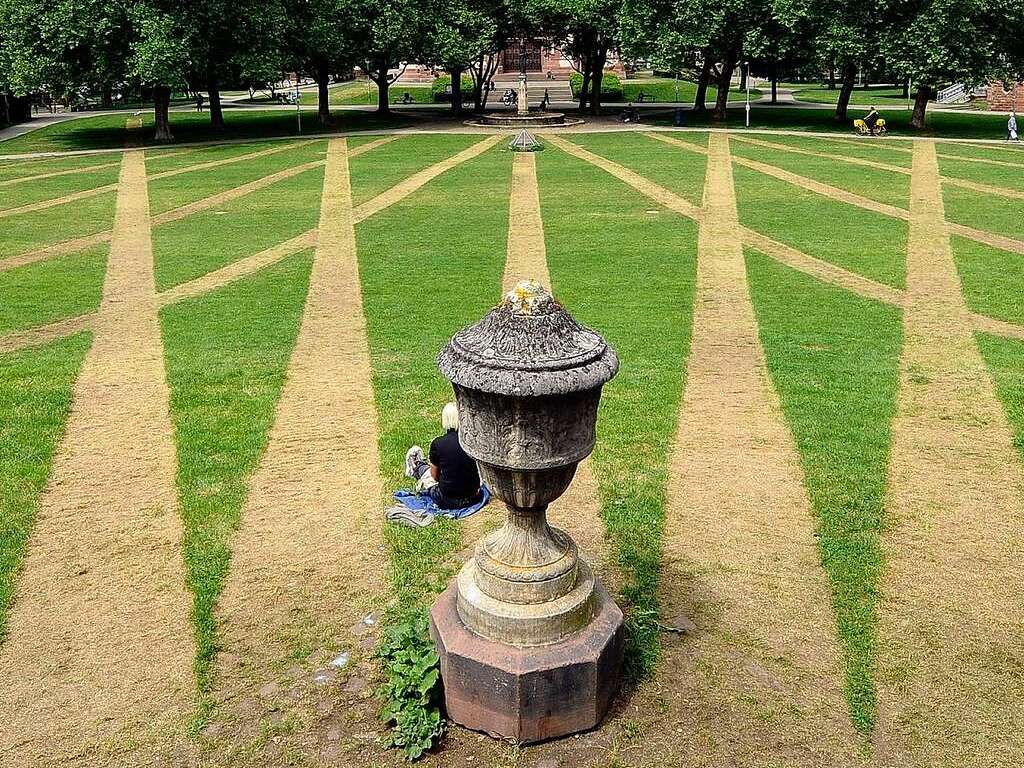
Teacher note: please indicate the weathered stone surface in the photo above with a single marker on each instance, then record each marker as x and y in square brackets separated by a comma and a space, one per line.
[529, 694]
[530, 644]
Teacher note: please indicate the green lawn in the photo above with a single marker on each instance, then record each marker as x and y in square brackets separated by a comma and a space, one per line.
[834, 364]
[40, 293]
[35, 395]
[433, 262]
[108, 131]
[189, 248]
[676, 169]
[226, 357]
[875, 95]
[355, 93]
[873, 183]
[662, 90]
[865, 242]
[641, 299]
[420, 285]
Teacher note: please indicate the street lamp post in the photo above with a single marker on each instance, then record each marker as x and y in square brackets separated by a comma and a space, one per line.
[748, 94]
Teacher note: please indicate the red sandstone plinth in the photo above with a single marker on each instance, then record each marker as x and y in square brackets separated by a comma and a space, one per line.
[529, 694]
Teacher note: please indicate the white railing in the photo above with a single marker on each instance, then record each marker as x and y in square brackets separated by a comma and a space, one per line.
[954, 94]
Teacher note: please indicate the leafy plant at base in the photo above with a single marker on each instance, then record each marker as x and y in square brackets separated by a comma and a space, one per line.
[412, 691]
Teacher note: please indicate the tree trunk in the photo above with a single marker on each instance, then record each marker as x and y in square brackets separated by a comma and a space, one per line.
[479, 83]
[924, 92]
[161, 108]
[845, 91]
[585, 86]
[724, 83]
[595, 80]
[323, 95]
[456, 74]
[216, 113]
[383, 103]
[701, 97]
[775, 82]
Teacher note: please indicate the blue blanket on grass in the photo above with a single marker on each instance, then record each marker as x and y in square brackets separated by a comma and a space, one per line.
[421, 502]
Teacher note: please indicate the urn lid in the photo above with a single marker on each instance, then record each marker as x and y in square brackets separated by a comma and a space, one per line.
[528, 346]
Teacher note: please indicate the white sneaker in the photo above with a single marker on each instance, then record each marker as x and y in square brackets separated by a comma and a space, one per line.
[412, 457]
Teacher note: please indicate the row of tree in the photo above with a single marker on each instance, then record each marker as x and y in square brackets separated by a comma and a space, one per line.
[102, 46]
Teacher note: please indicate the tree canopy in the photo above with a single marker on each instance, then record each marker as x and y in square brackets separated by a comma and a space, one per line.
[101, 49]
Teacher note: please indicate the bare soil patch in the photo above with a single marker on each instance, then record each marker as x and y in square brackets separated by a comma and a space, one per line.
[951, 652]
[308, 559]
[99, 653]
[759, 659]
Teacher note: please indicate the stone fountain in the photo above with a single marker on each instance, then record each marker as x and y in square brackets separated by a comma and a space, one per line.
[530, 642]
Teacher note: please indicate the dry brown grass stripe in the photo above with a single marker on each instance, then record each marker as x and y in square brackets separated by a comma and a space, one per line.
[526, 254]
[52, 174]
[44, 334]
[308, 559]
[950, 649]
[85, 194]
[99, 650]
[657, 193]
[82, 243]
[740, 555]
[951, 181]
[405, 188]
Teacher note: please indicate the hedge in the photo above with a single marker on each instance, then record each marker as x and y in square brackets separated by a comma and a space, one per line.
[437, 89]
[611, 86]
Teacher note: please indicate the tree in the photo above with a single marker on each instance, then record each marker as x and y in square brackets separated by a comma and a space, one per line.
[465, 35]
[585, 30]
[391, 35]
[159, 58]
[846, 33]
[714, 29]
[323, 39]
[937, 42]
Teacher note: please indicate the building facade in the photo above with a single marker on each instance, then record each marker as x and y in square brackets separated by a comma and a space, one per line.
[1001, 99]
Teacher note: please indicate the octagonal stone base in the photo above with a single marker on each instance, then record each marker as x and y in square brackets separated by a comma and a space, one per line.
[529, 694]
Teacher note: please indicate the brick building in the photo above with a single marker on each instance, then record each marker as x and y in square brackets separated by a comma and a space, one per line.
[543, 57]
[1002, 100]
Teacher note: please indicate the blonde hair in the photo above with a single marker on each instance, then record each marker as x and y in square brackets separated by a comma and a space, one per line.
[450, 416]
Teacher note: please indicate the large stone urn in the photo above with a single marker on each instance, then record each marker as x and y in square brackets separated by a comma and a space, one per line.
[530, 643]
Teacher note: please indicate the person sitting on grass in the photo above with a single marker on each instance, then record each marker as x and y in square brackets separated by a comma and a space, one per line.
[871, 120]
[450, 477]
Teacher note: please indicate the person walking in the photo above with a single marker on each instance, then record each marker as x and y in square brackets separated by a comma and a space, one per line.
[199, 102]
[1011, 128]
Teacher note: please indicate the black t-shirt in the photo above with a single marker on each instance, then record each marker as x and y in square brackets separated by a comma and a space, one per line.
[459, 478]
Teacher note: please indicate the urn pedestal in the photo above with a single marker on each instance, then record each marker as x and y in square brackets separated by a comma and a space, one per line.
[530, 643]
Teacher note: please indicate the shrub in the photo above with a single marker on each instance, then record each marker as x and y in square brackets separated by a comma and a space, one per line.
[611, 86]
[440, 85]
[412, 690]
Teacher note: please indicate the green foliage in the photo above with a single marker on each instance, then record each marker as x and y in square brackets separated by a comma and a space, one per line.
[611, 86]
[440, 84]
[412, 690]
